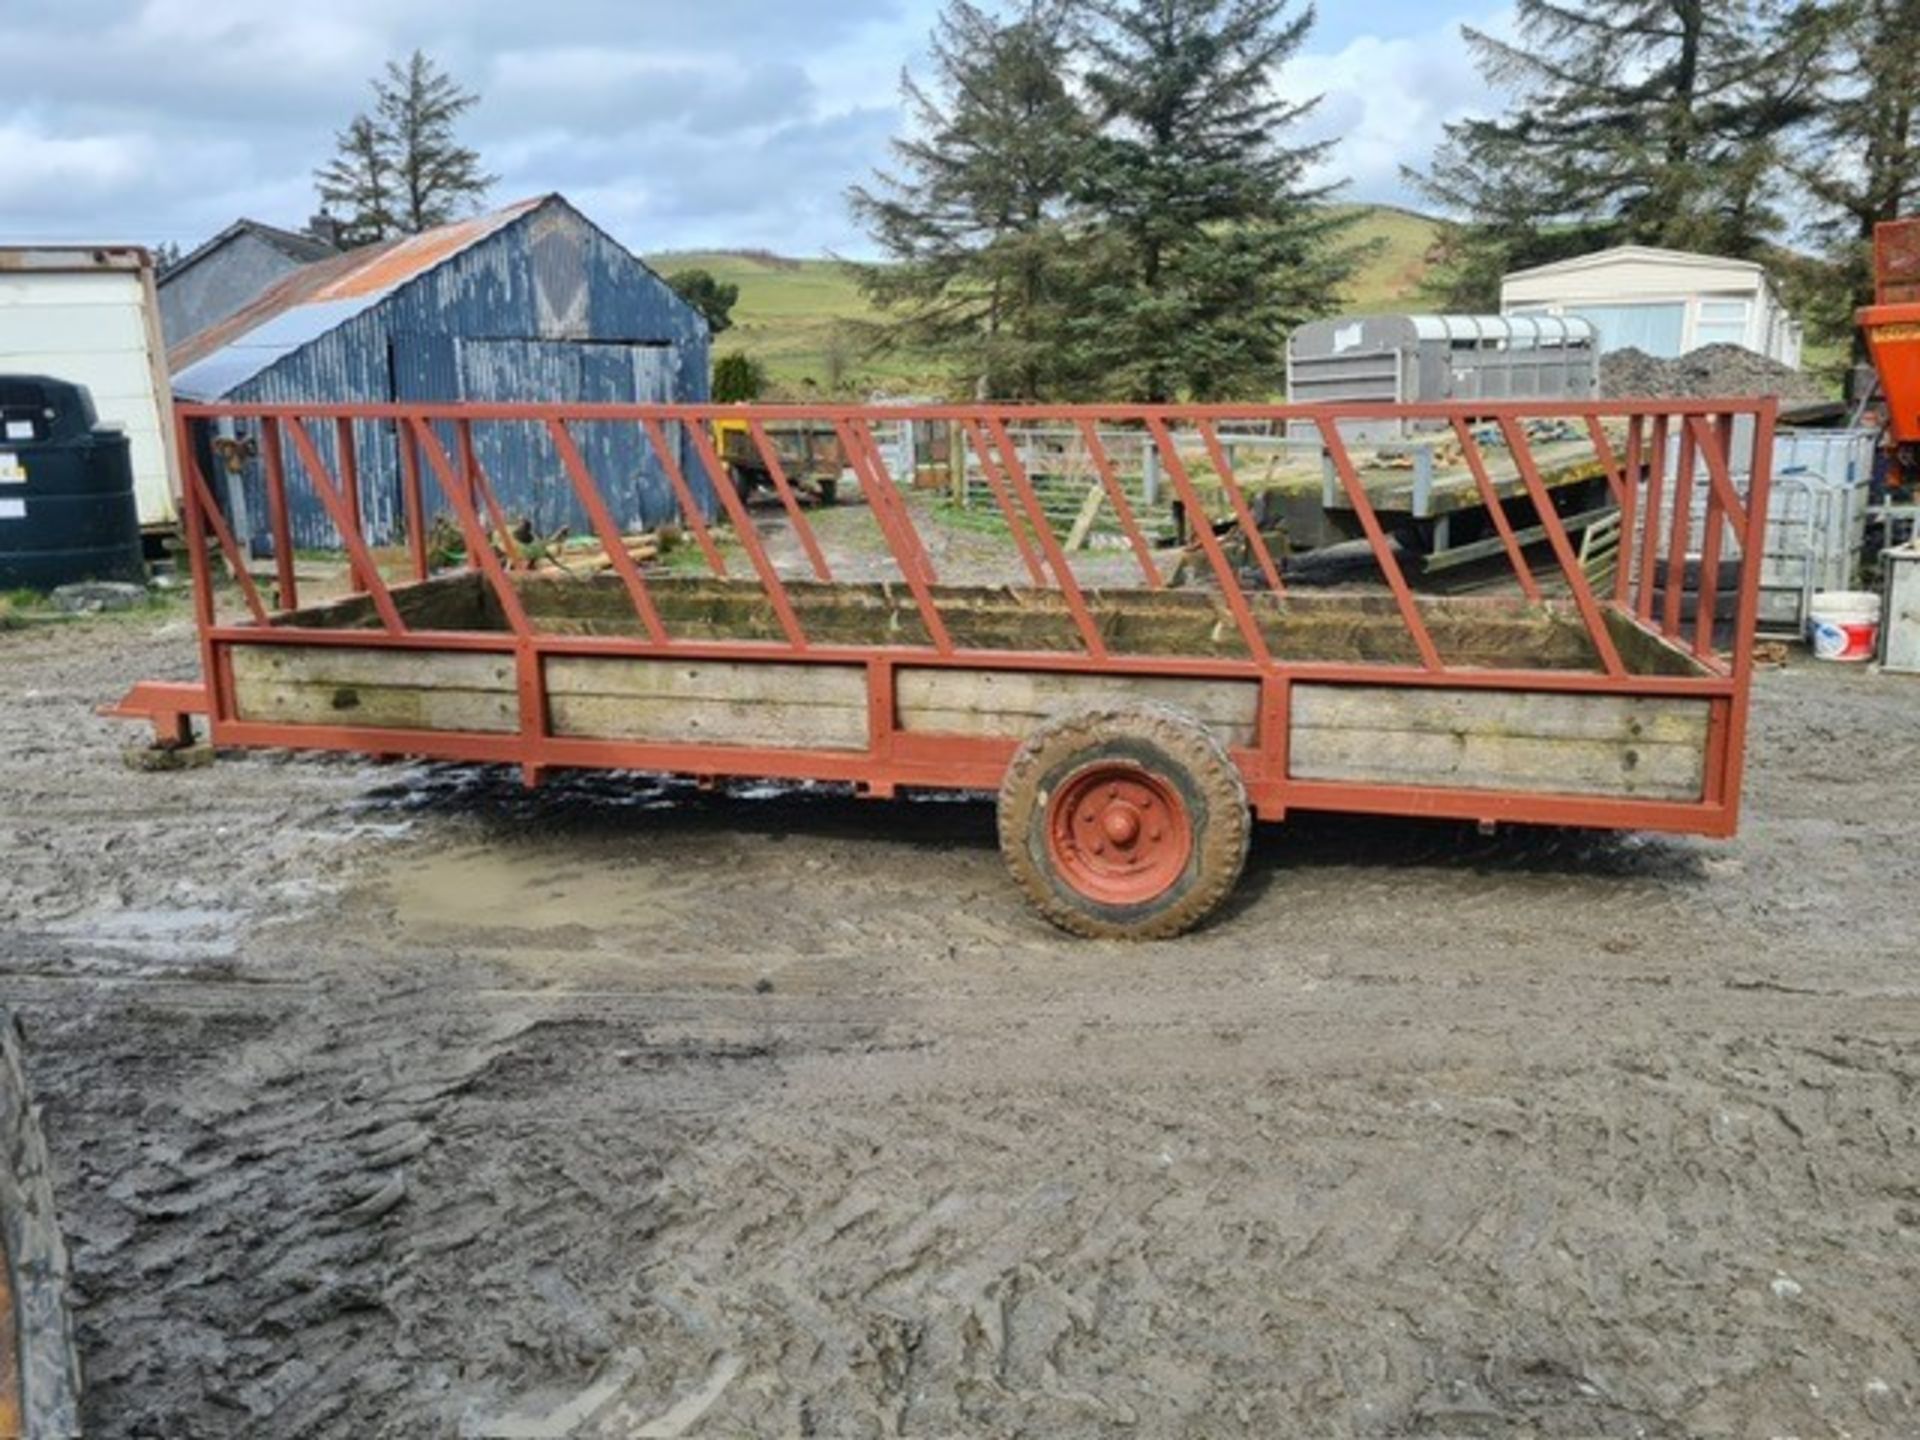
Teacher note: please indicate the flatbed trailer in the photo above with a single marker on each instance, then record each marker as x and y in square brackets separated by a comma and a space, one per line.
[1130, 730]
[1432, 492]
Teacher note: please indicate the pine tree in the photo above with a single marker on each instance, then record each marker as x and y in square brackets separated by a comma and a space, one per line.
[401, 170]
[1863, 161]
[359, 183]
[1221, 245]
[1651, 122]
[418, 104]
[974, 218]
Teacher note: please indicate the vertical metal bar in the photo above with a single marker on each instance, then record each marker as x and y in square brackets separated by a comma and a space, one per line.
[1256, 543]
[1753, 539]
[1117, 495]
[778, 474]
[196, 507]
[1713, 450]
[1275, 739]
[1210, 543]
[1680, 531]
[350, 485]
[604, 528]
[1719, 460]
[358, 556]
[1017, 527]
[1583, 597]
[683, 492]
[770, 582]
[897, 544]
[209, 511]
[530, 682]
[480, 487]
[882, 721]
[1076, 599]
[278, 519]
[1383, 556]
[1629, 512]
[413, 499]
[1496, 508]
[1649, 557]
[453, 486]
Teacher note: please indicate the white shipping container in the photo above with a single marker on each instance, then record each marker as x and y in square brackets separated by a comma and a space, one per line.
[89, 315]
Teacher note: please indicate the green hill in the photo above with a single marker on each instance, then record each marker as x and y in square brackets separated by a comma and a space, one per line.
[793, 315]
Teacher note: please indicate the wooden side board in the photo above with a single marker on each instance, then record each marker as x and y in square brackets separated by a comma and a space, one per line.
[1613, 745]
[793, 707]
[1011, 703]
[379, 689]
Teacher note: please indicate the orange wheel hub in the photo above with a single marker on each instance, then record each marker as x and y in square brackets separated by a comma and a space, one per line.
[1118, 834]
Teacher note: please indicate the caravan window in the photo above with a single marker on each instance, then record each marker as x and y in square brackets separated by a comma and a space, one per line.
[1660, 329]
[1722, 322]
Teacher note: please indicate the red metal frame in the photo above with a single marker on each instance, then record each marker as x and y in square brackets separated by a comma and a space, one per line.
[1653, 555]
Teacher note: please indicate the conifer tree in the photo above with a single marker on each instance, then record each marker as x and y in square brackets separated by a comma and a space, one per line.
[401, 169]
[1654, 122]
[1219, 240]
[1862, 161]
[973, 216]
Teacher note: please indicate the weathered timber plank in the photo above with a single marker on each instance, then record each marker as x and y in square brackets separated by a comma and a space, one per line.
[382, 708]
[1479, 631]
[1645, 653]
[386, 689]
[1489, 740]
[1500, 763]
[798, 707]
[341, 665]
[446, 602]
[1625, 718]
[707, 680]
[1365, 627]
[1011, 703]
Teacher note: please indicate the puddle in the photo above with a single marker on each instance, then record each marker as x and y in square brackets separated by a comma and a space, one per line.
[576, 891]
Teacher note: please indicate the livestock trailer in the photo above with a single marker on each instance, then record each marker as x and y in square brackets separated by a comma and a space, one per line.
[1408, 359]
[1132, 726]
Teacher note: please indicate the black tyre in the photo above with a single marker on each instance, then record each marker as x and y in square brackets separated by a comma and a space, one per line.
[1125, 823]
[39, 1371]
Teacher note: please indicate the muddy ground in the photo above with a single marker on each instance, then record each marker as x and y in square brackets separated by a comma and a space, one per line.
[389, 1100]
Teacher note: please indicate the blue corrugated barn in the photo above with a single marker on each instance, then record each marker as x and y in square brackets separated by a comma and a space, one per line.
[529, 303]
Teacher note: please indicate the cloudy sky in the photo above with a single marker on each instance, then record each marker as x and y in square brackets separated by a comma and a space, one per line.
[675, 123]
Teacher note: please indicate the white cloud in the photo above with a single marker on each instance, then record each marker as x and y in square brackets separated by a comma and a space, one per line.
[677, 124]
[1388, 98]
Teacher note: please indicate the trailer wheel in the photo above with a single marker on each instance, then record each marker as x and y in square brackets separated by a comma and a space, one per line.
[39, 1371]
[1129, 823]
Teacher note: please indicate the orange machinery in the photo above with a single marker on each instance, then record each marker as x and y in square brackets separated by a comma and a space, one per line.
[1892, 328]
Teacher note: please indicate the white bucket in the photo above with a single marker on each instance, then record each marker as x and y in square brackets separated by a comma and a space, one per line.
[1844, 625]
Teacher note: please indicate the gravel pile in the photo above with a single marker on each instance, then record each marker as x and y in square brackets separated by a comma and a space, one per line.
[1712, 370]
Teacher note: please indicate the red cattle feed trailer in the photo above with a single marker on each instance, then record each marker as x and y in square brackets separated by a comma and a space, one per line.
[1133, 704]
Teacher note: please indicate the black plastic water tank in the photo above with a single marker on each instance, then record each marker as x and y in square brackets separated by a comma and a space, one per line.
[67, 509]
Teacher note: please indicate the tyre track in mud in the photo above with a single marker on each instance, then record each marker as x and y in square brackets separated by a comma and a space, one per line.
[397, 1101]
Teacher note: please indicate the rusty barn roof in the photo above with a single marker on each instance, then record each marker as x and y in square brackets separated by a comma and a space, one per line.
[316, 298]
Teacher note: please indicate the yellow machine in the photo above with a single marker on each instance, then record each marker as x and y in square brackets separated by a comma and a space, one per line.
[809, 453]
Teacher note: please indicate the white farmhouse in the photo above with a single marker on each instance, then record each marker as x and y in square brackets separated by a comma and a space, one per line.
[1665, 302]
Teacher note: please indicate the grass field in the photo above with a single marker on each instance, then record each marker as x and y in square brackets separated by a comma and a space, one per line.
[797, 316]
